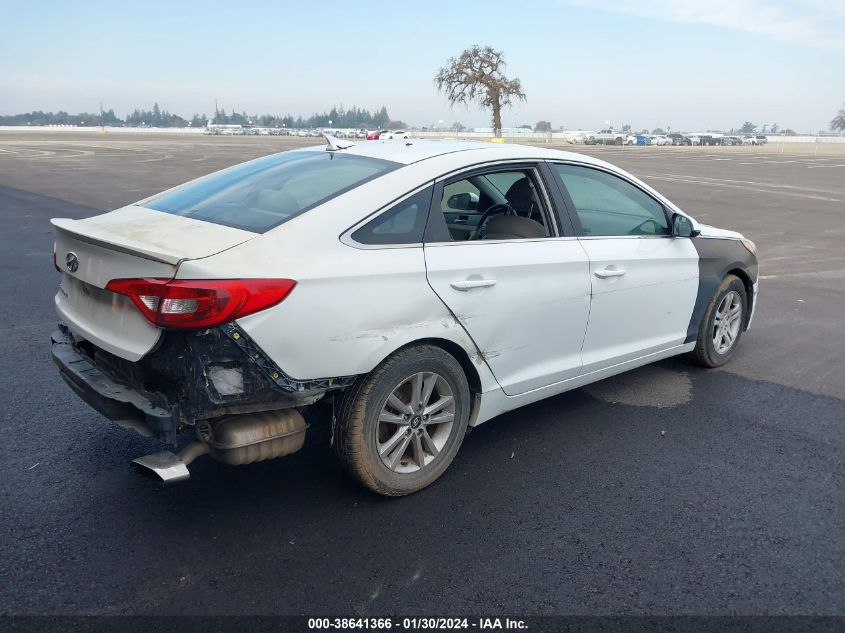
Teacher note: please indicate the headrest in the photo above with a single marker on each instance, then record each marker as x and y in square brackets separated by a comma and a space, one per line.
[520, 194]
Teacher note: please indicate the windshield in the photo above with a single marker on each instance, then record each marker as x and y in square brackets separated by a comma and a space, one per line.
[264, 193]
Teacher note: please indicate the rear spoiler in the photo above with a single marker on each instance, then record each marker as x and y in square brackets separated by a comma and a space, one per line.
[71, 227]
[154, 235]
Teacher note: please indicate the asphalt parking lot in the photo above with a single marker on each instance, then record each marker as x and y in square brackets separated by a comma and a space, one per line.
[667, 490]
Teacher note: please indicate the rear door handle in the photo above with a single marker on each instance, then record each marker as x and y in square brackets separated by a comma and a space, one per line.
[469, 284]
[605, 273]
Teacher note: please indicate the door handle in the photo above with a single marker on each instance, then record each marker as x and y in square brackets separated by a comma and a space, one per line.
[469, 284]
[605, 273]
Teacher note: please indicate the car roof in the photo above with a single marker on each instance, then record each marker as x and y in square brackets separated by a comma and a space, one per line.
[408, 151]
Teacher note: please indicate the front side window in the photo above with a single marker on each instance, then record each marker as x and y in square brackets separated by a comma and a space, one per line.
[497, 205]
[608, 205]
[261, 194]
[404, 223]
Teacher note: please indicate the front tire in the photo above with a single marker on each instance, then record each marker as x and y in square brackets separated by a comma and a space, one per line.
[722, 325]
[400, 426]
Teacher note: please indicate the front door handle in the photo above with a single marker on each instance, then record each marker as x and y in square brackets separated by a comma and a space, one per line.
[469, 284]
[605, 273]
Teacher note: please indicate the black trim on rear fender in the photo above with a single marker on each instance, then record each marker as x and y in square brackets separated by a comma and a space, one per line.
[274, 372]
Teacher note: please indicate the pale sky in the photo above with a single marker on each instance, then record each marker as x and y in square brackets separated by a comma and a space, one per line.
[686, 64]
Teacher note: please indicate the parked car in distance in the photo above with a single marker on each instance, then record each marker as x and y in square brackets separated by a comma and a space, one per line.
[631, 139]
[391, 134]
[659, 139]
[609, 137]
[375, 135]
[679, 139]
[731, 140]
[752, 139]
[577, 136]
[396, 292]
[709, 138]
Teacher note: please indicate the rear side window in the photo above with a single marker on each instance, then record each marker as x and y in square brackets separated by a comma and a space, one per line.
[404, 223]
[608, 205]
[264, 193]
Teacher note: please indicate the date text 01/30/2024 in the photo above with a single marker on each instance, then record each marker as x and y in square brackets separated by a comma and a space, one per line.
[417, 624]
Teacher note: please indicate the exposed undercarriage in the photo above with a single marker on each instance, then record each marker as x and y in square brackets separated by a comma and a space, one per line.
[216, 382]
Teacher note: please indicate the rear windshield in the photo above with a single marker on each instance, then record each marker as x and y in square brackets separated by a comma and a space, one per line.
[261, 194]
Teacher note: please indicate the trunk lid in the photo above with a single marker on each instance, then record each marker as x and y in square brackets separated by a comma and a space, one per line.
[128, 243]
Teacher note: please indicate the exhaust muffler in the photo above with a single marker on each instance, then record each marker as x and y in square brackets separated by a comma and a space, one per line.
[233, 440]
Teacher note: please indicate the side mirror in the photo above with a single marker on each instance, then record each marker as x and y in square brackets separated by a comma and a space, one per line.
[462, 202]
[682, 226]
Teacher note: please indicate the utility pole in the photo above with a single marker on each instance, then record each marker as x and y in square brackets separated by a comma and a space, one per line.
[102, 123]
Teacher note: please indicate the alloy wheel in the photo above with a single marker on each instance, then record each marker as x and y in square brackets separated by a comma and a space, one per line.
[727, 322]
[415, 422]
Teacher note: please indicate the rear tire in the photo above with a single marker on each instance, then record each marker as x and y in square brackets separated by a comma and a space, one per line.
[393, 433]
[722, 325]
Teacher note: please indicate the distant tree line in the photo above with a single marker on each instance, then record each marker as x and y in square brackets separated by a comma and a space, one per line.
[353, 117]
[61, 118]
[750, 128]
[159, 118]
[838, 123]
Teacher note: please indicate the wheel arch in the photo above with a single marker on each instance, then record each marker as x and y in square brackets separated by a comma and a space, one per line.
[717, 258]
[456, 351]
[471, 371]
[746, 280]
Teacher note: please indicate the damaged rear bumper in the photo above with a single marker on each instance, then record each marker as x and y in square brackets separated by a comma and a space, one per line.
[189, 378]
[123, 405]
[234, 436]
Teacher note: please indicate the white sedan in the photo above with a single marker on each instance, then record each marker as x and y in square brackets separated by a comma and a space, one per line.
[392, 134]
[660, 140]
[415, 288]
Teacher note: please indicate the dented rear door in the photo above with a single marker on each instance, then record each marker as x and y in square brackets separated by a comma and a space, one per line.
[525, 303]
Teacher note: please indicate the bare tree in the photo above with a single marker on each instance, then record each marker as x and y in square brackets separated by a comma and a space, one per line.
[838, 123]
[477, 76]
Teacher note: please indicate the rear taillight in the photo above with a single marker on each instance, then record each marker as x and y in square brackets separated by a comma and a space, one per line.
[190, 304]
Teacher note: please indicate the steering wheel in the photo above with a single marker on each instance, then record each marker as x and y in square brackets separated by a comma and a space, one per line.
[640, 230]
[496, 209]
